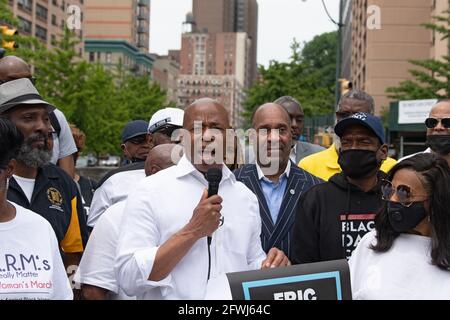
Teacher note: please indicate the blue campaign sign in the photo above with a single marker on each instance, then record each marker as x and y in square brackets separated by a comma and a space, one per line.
[329, 280]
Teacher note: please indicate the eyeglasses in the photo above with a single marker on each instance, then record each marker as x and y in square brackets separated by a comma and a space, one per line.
[431, 123]
[32, 79]
[404, 194]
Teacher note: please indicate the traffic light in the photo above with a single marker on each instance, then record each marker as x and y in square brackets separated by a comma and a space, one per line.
[346, 86]
[7, 38]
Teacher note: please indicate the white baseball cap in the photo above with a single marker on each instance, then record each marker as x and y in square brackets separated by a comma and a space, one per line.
[166, 116]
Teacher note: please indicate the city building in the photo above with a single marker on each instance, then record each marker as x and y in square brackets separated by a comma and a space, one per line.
[165, 72]
[224, 88]
[377, 57]
[223, 16]
[215, 65]
[117, 31]
[46, 20]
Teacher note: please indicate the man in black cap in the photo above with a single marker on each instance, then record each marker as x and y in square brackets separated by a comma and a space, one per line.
[37, 184]
[135, 143]
[333, 216]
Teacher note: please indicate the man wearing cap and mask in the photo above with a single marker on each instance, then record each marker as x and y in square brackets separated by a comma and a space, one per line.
[37, 184]
[324, 164]
[116, 185]
[335, 215]
[135, 144]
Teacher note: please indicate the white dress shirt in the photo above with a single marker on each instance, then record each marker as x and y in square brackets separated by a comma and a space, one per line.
[97, 264]
[113, 190]
[161, 206]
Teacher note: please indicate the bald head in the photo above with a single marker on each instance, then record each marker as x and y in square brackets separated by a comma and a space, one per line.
[272, 110]
[274, 137]
[204, 105]
[12, 68]
[162, 157]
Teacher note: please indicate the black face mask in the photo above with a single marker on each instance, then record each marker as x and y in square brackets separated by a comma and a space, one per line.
[439, 143]
[403, 218]
[358, 163]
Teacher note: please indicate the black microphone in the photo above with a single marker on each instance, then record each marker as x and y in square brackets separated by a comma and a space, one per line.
[214, 176]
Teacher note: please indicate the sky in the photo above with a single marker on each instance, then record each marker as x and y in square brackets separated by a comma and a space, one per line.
[279, 22]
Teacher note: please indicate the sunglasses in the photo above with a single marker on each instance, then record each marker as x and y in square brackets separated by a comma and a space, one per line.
[431, 123]
[403, 193]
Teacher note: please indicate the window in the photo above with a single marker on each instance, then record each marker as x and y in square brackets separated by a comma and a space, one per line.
[55, 2]
[54, 22]
[91, 56]
[41, 32]
[53, 40]
[99, 55]
[24, 25]
[41, 12]
[108, 57]
[25, 5]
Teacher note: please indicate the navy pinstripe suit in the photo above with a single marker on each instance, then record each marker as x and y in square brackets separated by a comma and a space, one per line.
[277, 234]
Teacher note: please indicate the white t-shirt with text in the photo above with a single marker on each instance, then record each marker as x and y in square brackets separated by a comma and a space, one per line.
[31, 267]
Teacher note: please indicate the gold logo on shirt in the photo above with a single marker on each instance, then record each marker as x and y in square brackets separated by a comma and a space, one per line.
[54, 196]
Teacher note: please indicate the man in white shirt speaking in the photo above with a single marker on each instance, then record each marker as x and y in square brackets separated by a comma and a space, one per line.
[163, 251]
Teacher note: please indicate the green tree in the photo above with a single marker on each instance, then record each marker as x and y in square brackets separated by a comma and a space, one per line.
[99, 101]
[309, 76]
[28, 47]
[431, 79]
[98, 113]
[61, 73]
[141, 97]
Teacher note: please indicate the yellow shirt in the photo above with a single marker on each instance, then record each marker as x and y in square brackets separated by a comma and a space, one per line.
[324, 164]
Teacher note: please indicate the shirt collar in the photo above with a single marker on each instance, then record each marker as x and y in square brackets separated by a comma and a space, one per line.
[286, 171]
[332, 158]
[185, 167]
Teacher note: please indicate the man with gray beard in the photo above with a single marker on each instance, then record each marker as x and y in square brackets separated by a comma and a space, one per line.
[37, 184]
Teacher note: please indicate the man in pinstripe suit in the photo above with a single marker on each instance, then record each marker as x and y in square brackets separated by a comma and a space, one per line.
[277, 182]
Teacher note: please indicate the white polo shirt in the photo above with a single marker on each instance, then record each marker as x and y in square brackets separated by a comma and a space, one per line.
[161, 206]
[116, 188]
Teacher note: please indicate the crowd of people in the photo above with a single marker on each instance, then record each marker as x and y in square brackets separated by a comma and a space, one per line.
[153, 229]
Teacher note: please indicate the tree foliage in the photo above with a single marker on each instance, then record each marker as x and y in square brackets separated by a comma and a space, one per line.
[99, 101]
[309, 77]
[430, 79]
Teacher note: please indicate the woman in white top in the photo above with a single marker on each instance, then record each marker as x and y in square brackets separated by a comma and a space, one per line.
[408, 254]
[31, 267]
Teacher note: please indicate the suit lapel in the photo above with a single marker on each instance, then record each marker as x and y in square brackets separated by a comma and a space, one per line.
[250, 178]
